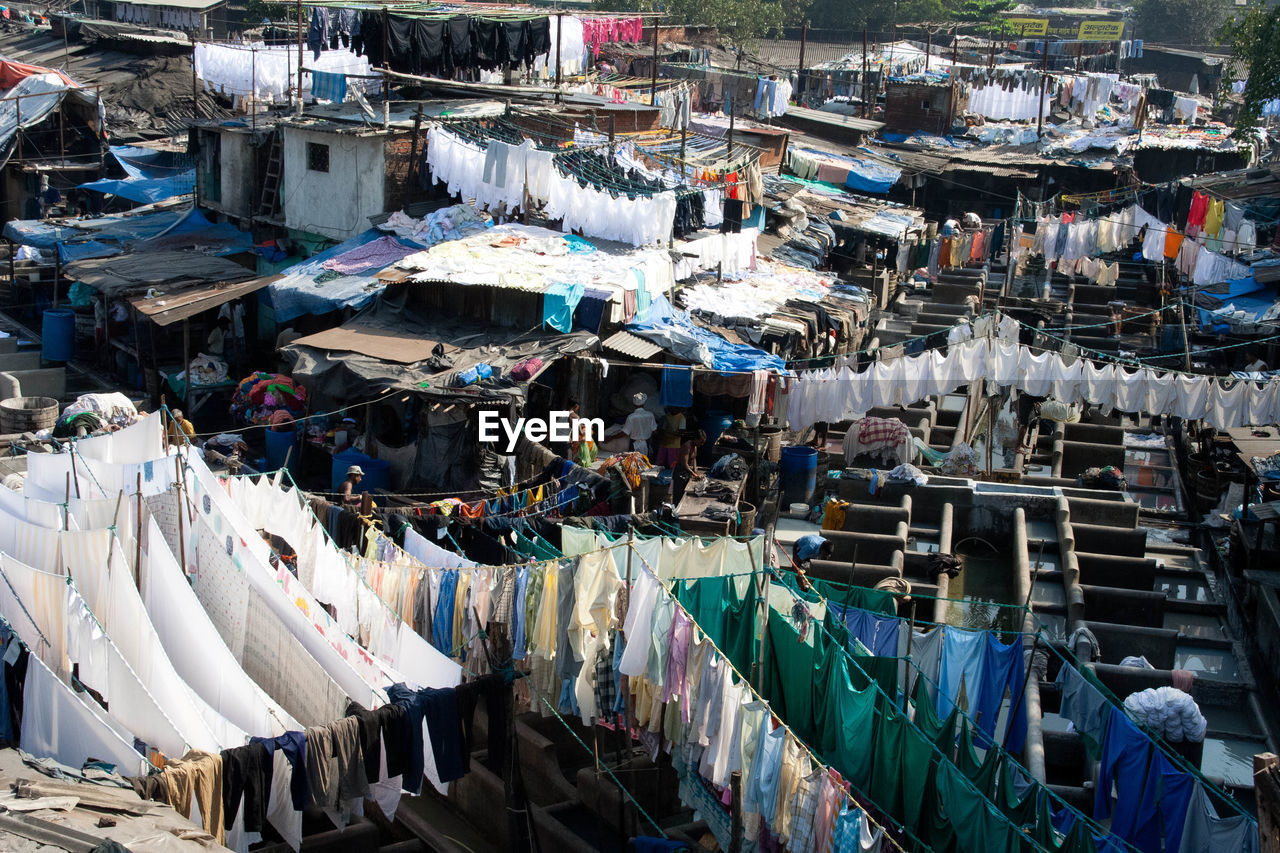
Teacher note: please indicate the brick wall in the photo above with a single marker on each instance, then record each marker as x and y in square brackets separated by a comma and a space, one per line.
[400, 179]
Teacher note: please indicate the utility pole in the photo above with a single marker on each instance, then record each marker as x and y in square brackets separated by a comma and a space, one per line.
[800, 75]
[653, 84]
[1044, 81]
[301, 39]
[866, 108]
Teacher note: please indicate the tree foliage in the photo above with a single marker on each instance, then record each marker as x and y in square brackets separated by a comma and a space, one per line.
[256, 11]
[1179, 22]
[1254, 38]
[881, 15]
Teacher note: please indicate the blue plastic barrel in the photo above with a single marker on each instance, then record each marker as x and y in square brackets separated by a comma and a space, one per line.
[58, 334]
[278, 446]
[799, 474]
[377, 476]
[377, 472]
[715, 423]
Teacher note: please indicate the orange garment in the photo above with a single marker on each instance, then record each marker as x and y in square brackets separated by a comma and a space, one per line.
[1172, 243]
[475, 510]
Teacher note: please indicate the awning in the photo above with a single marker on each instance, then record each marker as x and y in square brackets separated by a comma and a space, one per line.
[376, 342]
[170, 271]
[169, 308]
[625, 343]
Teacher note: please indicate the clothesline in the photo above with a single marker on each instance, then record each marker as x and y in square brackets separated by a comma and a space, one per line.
[892, 701]
[813, 756]
[1068, 658]
[908, 379]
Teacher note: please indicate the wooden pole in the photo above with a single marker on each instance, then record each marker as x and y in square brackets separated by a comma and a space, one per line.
[732, 112]
[137, 545]
[75, 477]
[653, 83]
[735, 812]
[866, 108]
[1017, 705]
[302, 29]
[182, 539]
[195, 85]
[928, 47]
[800, 75]
[559, 35]
[413, 147]
[253, 87]
[1266, 785]
[955, 45]
[1044, 81]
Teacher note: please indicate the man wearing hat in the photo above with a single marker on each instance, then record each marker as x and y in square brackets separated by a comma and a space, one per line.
[640, 424]
[347, 491]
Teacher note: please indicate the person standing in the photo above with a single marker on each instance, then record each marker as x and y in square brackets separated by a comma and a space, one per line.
[673, 425]
[640, 424]
[687, 465]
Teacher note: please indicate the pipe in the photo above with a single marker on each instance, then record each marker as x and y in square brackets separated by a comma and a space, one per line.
[993, 548]
[1023, 584]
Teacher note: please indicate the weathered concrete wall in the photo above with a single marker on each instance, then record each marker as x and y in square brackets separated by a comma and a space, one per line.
[337, 203]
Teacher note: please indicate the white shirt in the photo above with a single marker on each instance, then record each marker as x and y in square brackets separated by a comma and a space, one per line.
[1256, 367]
[640, 424]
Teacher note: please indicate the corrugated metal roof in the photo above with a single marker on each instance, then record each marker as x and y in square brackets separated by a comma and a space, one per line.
[625, 343]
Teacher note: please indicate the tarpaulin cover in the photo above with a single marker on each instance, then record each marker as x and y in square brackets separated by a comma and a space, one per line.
[12, 73]
[868, 176]
[400, 317]
[146, 190]
[42, 235]
[153, 175]
[90, 249]
[677, 333]
[139, 162]
[1242, 294]
[298, 293]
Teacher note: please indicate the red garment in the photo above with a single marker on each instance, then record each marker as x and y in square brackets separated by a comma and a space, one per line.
[1199, 207]
[732, 180]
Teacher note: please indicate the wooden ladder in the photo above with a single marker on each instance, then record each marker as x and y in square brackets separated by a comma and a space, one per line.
[269, 204]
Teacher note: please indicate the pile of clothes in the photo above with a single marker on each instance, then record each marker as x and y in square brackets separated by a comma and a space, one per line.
[261, 395]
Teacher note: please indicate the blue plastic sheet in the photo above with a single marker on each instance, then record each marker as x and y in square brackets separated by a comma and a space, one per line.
[868, 176]
[68, 252]
[146, 190]
[677, 333]
[297, 293]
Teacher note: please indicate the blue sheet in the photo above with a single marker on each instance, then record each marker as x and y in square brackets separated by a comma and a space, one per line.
[676, 332]
[146, 190]
[869, 176]
[68, 252]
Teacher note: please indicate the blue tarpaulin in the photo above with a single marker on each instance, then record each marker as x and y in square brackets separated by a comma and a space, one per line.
[68, 252]
[298, 293]
[152, 175]
[1243, 295]
[868, 176]
[33, 232]
[677, 333]
[146, 190]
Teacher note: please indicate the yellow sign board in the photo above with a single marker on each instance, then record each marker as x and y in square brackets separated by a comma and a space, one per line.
[1028, 26]
[1101, 30]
